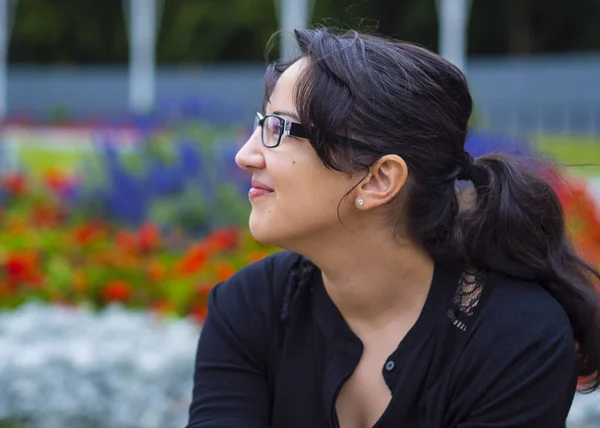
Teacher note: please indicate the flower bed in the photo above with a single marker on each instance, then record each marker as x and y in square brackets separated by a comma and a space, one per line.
[52, 253]
[70, 367]
[152, 242]
[51, 256]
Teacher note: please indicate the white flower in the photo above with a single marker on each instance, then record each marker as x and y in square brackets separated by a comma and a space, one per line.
[74, 368]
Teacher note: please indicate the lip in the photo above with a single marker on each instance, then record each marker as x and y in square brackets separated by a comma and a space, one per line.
[259, 189]
[258, 185]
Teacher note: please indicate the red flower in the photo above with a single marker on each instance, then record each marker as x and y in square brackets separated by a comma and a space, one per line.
[15, 183]
[582, 217]
[85, 233]
[117, 291]
[126, 240]
[149, 237]
[19, 265]
[57, 180]
[198, 314]
[223, 239]
[22, 269]
[162, 307]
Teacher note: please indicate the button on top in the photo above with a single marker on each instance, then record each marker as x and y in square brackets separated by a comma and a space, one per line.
[389, 366]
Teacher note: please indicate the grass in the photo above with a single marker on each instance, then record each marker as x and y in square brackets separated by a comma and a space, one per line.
[571, 150]
[38, 160]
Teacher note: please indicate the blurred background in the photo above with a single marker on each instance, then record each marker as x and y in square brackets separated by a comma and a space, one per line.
[120, 202]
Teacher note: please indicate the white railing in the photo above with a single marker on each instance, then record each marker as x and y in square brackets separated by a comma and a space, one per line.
[580, 118]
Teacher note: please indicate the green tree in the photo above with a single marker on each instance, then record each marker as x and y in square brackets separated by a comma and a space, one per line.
[204, 31]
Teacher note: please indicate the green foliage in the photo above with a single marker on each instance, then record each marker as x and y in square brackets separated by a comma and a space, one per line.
[193, 31]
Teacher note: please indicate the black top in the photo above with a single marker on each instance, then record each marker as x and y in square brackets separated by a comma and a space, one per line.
[496, 352]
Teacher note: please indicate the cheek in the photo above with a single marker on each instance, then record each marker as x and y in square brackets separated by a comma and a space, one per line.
[304, 207]
[300, 203]
[308, 188]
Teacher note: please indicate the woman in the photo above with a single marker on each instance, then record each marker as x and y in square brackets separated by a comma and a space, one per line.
[392, 307]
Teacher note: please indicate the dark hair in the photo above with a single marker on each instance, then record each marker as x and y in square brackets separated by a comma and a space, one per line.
[367, 96]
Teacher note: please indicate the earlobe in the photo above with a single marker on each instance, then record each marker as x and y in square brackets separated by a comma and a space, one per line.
[385, 180]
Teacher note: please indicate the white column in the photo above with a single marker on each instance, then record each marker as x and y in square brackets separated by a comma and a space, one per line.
[293, 14]
[142, 56]
[453, 16]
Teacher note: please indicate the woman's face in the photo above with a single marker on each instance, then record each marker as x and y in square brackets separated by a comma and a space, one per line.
[294, 196]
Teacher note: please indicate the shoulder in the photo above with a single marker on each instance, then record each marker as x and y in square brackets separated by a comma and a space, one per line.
[520, 325]
[488, 301]
[519, 361]
[244, 310]
[256, 287]
[524, 306]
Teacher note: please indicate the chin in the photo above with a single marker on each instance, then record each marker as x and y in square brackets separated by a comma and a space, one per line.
[285, 231]
[271, 233]
[263, 232]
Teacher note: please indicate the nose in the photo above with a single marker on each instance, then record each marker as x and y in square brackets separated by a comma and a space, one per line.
[250, 156]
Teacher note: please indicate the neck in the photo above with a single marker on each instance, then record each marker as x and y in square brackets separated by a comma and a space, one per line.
[372, 280]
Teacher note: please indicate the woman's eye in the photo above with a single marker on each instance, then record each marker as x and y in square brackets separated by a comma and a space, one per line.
[275, 128]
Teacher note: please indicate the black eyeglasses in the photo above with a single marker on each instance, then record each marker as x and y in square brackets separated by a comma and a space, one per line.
[275, 127]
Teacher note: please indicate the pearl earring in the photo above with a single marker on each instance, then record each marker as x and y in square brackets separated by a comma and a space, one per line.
[360, 202]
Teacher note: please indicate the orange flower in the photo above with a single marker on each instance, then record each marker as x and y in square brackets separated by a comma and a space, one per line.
[126, 260]
[6, 290]
[156, 271]
[117, 291]
[193, 261]
[201, 297]
[224, 270]
[80, 282]
[126, 240]
[256, 256]
[15, 226]
[198, 314]
[104, 259]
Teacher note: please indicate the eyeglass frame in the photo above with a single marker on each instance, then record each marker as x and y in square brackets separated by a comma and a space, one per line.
[289, 128]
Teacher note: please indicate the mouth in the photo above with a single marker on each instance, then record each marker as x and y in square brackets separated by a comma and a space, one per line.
[259, 190]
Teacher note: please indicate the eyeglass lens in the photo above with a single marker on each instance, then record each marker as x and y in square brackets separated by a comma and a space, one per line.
[271, 131]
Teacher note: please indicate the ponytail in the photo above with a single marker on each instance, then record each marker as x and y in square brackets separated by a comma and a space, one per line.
[516, 225]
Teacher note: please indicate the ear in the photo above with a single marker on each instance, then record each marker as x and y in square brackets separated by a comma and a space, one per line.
[386, 178]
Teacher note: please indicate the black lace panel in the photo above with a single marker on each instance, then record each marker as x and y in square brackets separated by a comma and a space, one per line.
[466, 299]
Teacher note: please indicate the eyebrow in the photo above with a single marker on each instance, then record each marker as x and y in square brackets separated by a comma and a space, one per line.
[293, 115]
